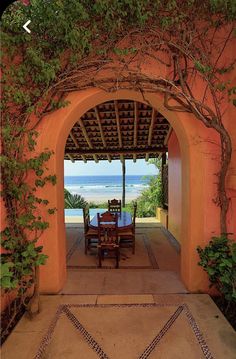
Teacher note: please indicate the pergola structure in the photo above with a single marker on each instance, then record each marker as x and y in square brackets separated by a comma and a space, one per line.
[119, 129]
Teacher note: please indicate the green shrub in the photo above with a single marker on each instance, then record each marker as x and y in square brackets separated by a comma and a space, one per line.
[128, 207]
[218, 259]
[152, 196]
[73, 200]
[98, 205]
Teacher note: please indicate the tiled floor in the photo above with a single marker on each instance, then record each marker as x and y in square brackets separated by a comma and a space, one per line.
[128, 327]
[153, 250]
[141, 310]
[122, 282]
[154, 268]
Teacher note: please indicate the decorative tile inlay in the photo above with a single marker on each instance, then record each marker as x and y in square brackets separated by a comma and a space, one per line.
[151, 255]
[161, 334]
[73, 248]
[86, 335]
[95, 346]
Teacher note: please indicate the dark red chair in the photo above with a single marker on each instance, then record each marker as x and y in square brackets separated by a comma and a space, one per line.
[108, 239]
[114, 205]
[127, 237]
[90, 235]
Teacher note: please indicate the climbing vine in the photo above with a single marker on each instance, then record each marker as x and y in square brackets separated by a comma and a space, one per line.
[76, 45]
[24, 222]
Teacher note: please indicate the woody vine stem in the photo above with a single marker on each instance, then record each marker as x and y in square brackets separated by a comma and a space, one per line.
[183, 68]
[182, 40]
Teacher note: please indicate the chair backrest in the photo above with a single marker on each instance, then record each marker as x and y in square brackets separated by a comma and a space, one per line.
[86, 217]
[134, 214]
[107, 228]
[114, 205]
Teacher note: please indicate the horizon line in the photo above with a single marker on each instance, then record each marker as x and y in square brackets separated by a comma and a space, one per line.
[143, 174]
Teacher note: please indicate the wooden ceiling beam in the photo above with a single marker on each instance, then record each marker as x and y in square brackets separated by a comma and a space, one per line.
[150, 132]
[71, 158]
[83, 129]
[167, 136]
[95, 158]
[135, 127]
[122, 159]
[118, 123]
[76, 144]
[151, 127]
[119, 151]
[118, 128]
[130, 125]
[101, 131]
[115, 158]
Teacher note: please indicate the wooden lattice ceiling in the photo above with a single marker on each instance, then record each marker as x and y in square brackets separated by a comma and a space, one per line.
[114, 130]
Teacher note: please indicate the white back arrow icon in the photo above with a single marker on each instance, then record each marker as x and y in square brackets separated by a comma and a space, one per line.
[25, 26]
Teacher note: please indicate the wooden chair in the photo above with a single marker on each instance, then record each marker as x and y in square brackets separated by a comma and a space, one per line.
[114, 205]
[108, 239]
[127, 237]
[90, 235]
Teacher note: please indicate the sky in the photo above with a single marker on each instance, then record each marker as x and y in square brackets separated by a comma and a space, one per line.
[104, 168]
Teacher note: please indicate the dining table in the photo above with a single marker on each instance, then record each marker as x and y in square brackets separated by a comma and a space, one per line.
[124, 221]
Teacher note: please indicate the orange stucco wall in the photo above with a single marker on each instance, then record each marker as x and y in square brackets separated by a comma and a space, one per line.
[193, 216]
[231, 179]
[200, 216]
[193, 165]
[174, 187]
[199, 148]
[199, 164]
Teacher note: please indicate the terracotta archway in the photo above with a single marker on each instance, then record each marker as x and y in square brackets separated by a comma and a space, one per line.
[198, 187]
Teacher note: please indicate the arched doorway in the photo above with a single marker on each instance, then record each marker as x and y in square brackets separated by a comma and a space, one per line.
[197, 186]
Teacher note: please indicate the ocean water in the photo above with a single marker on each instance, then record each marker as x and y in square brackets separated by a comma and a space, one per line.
[78, 212]
[102, 188]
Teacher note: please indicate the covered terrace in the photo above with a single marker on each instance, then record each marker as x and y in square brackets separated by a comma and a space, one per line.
[122, 130]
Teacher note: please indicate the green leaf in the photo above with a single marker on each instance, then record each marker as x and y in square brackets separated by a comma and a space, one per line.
[5, 269]
[41, 260]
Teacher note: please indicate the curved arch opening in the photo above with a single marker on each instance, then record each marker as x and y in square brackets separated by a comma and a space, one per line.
[185, 127]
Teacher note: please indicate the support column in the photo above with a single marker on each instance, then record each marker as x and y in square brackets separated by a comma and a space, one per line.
[123, 183]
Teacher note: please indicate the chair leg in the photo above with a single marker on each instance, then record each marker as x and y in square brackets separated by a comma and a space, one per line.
[117, 257]
[133, 245]
[100, 257]
[85, 245]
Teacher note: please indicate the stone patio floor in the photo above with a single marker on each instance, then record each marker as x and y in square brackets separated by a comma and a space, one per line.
[139, 311]
[123, 326]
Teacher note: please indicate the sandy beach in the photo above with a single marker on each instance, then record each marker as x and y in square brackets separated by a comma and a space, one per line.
[100, 189]
[104, 197]
[79, 220]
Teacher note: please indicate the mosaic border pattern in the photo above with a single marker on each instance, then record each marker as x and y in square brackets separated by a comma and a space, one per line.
[65, 309]
[73, 248]
[151, 256]
[150, 253]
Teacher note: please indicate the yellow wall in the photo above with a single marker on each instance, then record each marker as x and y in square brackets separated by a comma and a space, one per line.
[162, 216]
